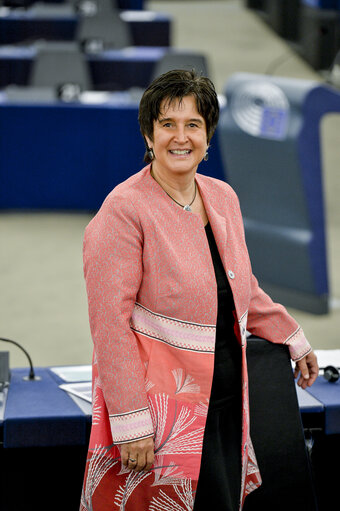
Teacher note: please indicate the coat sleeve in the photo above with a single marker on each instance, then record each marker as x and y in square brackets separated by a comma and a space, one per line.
[271, 320]
[113, 246]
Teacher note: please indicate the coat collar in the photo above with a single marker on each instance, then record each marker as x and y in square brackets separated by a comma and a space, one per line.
[212, 203]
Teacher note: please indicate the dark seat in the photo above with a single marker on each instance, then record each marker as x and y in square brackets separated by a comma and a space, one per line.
[59, 63]
[178, 59]
[103, 30]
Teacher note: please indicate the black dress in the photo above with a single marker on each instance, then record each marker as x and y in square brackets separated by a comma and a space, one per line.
[219, 483]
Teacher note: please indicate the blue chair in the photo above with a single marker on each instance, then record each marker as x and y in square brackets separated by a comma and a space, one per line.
[270, 146]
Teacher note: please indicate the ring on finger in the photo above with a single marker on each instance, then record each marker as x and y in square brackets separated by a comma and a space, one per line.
[132, 460]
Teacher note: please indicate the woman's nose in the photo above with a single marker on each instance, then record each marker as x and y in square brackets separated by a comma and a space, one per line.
[181, 135]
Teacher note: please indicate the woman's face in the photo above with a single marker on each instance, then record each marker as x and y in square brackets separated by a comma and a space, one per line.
[179, 137]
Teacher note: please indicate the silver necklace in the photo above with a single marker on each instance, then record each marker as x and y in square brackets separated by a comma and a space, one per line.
[186, 207]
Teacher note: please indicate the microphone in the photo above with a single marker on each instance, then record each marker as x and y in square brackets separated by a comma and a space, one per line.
[31, 375]
[331, 374]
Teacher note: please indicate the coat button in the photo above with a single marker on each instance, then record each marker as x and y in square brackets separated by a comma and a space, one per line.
[231, 274]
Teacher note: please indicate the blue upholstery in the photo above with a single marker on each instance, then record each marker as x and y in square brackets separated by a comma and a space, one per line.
[270, 147]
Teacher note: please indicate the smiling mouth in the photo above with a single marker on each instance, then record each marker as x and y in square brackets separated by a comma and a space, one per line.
[180, 152]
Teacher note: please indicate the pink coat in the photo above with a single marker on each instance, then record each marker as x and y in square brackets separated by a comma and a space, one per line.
[153, 307]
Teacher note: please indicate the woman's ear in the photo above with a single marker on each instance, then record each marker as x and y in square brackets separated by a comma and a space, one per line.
[148, 142]
[149, 154]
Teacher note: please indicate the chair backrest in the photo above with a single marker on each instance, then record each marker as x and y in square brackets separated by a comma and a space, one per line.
[57, 63]
[177, 59]
[107, 27]
[269, 136]
[276, 431]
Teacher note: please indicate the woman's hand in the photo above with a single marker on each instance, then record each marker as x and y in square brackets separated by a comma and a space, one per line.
[138, 455]
[308, 369]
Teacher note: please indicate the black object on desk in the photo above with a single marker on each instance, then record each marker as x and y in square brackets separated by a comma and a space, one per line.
[331, 374]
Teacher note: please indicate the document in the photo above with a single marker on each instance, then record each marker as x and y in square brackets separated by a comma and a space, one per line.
[73, 373]
[82, 390]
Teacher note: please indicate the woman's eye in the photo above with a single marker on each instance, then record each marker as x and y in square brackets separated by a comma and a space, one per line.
[192, 125]
[167, 125]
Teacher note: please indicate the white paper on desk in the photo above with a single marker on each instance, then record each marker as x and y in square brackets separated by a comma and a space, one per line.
[82, 390]
[94, 97]
[85, 406]
[328, 358]
[73, 373]
[132, 15]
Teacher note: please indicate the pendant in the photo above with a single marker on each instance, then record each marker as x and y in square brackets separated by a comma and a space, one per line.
[187, 207]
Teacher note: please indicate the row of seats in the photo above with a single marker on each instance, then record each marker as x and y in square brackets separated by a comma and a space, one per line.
[63, 65]
[100, 25]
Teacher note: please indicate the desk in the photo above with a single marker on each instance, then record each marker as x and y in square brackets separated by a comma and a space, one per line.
[110, 70]
[148, 28]
[70, 156]
[39, 414]
[325, 442]
[45, 437]
[329, 395]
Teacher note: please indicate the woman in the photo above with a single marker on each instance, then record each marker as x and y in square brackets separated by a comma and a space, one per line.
[171, 297]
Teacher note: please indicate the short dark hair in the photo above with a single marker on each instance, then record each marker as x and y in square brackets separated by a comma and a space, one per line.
[175, 85]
